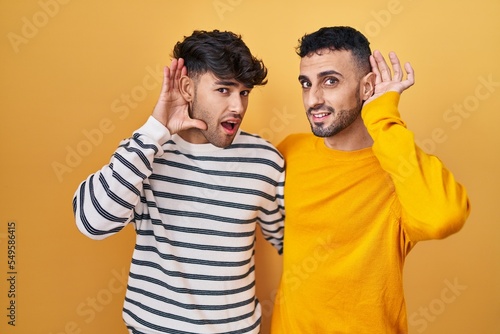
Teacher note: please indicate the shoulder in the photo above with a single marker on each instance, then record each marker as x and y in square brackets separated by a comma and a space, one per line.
[297, 138]
[296, 141]
[257, 151]
[247, 140]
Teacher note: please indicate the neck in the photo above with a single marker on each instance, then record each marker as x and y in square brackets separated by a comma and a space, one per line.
[353, 138]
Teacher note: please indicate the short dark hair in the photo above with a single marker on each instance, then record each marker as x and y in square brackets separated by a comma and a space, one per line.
[224, 54]
[338, 38]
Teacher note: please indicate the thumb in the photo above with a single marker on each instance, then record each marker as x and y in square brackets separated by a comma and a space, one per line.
[195, 123]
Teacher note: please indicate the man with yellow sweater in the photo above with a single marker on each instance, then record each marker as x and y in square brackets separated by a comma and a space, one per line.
[359, 193]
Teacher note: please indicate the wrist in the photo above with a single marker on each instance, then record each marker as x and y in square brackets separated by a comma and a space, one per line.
[154, 129]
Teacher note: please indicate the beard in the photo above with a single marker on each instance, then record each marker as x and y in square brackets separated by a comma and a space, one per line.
[344, 118]
[212, 134]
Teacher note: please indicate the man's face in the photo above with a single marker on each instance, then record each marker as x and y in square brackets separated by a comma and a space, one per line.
[221, 104]
[330, 91]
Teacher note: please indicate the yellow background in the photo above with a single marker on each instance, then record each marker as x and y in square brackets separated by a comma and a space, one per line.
[78, 76]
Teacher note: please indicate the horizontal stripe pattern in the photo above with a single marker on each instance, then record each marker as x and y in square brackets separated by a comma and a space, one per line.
[195, 209]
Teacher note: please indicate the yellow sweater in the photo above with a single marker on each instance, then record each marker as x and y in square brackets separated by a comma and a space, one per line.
[351, 219]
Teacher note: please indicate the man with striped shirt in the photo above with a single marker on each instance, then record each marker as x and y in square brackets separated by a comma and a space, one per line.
[194, 186]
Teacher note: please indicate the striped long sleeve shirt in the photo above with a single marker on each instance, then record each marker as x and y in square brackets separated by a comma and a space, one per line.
[195, 209]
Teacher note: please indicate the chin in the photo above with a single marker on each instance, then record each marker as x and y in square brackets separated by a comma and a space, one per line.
[222, 143]
[322, 131]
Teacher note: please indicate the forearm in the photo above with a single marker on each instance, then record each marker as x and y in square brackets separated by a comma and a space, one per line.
[272, 223]
[104, 203]
[434, 204]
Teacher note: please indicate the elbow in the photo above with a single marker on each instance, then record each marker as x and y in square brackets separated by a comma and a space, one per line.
[447, 229]
[94, 225]
[452, 220]
[88, 231]
[84, 225]
[95, 229]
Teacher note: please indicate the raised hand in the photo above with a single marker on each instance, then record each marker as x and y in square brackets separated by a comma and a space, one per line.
[172, 110]
[387, 81]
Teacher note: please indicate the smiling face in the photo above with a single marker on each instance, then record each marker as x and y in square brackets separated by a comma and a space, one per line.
[221, 104]
[333, 91]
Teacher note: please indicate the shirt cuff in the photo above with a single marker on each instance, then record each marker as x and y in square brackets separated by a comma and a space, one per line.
[155, 130]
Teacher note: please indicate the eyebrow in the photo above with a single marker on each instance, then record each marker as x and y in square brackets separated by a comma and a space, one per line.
[321, 74]
[230, 83]
[226, 83]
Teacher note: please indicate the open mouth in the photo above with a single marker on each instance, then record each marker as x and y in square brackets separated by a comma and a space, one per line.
[230, 126]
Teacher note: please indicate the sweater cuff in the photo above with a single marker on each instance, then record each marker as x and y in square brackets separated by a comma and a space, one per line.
[155, 130]
[388, 102]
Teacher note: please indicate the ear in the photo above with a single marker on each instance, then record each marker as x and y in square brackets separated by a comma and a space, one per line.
[186, 88]
[367, 86]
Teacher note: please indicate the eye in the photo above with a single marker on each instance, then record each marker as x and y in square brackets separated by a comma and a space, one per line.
[305, 84]
[331, 81]
[245, 93]
[223, 90]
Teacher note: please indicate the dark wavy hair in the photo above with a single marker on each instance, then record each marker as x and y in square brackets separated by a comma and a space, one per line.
[338, 38]
[224, 54]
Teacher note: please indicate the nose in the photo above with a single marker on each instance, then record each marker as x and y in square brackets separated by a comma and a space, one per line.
[313, 98]
[238, 104]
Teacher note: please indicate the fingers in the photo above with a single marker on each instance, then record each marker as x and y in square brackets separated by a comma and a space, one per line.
[181, 71]
[396, 67]
[176, 67]
[180, 66]
[196, 123]
[172, 74]
[166, 80]
[383, 72]
[410, 75]
[375, 70]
